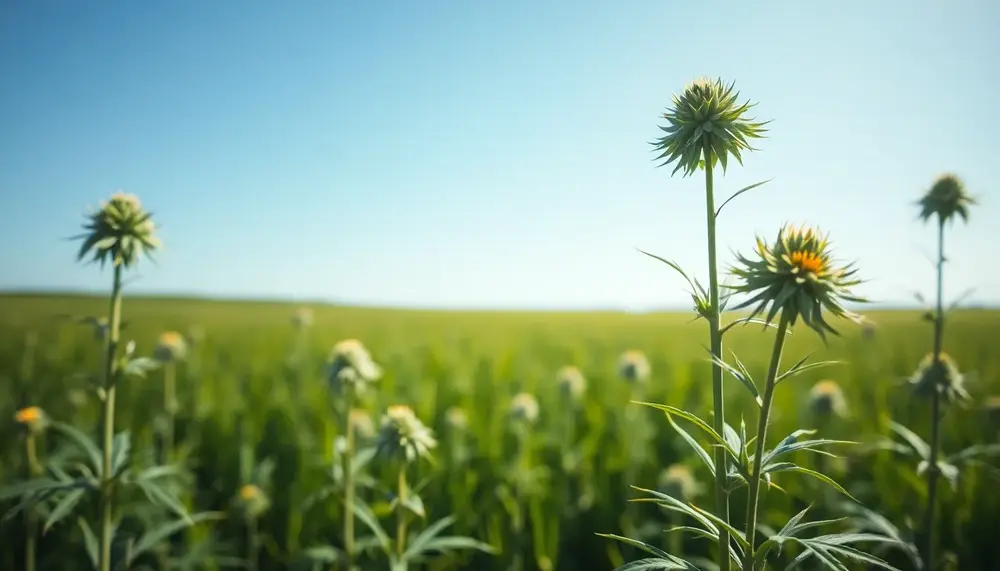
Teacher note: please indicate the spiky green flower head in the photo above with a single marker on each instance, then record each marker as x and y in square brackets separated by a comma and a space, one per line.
[826, 400]
[32, 419]
[798, 277]
[456, 418]
[946, 198]
[303, 318]
[251, 501]
[572, 383]
[403, 436]
[678, 481]
[707, 116]
[120, 231]
[633, 366]
[170, 347]
[524, 407]
[351, 365]
[942, 376]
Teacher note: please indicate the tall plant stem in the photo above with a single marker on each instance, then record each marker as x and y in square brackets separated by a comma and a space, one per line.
[714, 328]
[348, 468]
[401, 515]
[253, 544]
[31, 518]
[170, 407]
[110, 380]
[765, 410]
[932, 467]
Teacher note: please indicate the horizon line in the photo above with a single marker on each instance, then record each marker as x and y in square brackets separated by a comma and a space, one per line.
[293, 300]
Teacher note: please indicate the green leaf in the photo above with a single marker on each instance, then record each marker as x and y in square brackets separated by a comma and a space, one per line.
[365, 515]
[655, 551]
[120, 448]
[139, 367]
[89, 541]
[740, 375]
[63, 508]
[161, 533]
[740, 191]
[919, 446]
[800, 368]
[414, 504]
[84, 443]
[693, 419]
[747, 321]
[974, 451]
[701, 452]
[789, 467]
[654, 565]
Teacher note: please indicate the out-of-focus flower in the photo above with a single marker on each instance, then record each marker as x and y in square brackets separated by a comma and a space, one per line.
[362, 423]
[303, 318]
[524, 407]
[456, 418]
[572, 383]
[826, 399]
[992, 406]
[252, 501]
[119, 232]
[170, 347]
[350, 365]
[678, 481]
[946, 198]
[942, 376]
[32, 418]
[633, 366]
[404, 436]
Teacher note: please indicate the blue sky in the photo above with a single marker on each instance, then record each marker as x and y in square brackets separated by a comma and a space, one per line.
[488, 154]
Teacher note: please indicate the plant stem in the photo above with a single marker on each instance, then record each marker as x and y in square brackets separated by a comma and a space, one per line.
[253, 544]
[110, 380]
[348, 467]
[718, 405]
[170, 407]
[765, 411]
[30, 516]
[401, 519]
[932, 467]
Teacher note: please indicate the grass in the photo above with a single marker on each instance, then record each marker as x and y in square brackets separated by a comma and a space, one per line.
[434, 360]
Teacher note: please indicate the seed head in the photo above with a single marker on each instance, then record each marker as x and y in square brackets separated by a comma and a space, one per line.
[350, 364]
[942, 376]
[402, 435]
[32, 418]
[678, 481]
[120, 231]
[633, 366]
[706, 116]
[362, 423]
[456, 418]
[798, 277]
[946, 198]
[572, 383]
[524, 407]
[252, 501]
[826, 400]
[303, 318]
[170, 347]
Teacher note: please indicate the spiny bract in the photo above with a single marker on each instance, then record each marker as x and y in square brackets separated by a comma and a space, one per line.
[946, 198]
[706, 116]
[797, 277]
[402, 434]
[120, 231]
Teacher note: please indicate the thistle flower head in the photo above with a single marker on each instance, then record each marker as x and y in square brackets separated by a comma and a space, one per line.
[946, 198]
[942, 376]
[252, 501]
[350, 364]
[120, 231]
[798, 277]
[826, 399]
[361, 423]
[403, 435]
[31, 418]
[679, 482]
[303, 318]
[524, 407]
[456, 418]
[633, 366]
[707, 115]
[572, 383]
[170, 347]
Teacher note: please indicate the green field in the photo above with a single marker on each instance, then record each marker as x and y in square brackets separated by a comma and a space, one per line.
[241, 384]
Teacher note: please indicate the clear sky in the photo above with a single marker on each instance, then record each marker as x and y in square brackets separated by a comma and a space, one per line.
[489, 154]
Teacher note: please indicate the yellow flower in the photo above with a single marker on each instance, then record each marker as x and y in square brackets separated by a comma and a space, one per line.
[29, 416]
[249, 492]
[571, 381]
[171, 346]
[633, 366]
[524, 406]
[826, 399]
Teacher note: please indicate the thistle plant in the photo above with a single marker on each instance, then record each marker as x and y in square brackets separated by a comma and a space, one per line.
[706, 126]
[251, 502]
[350, 369]
[793, 280]
[33, 421]
[170, 349]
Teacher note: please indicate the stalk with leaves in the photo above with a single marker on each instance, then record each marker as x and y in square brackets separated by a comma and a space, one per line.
[706, 125]
[33, 421]
[791, 280]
